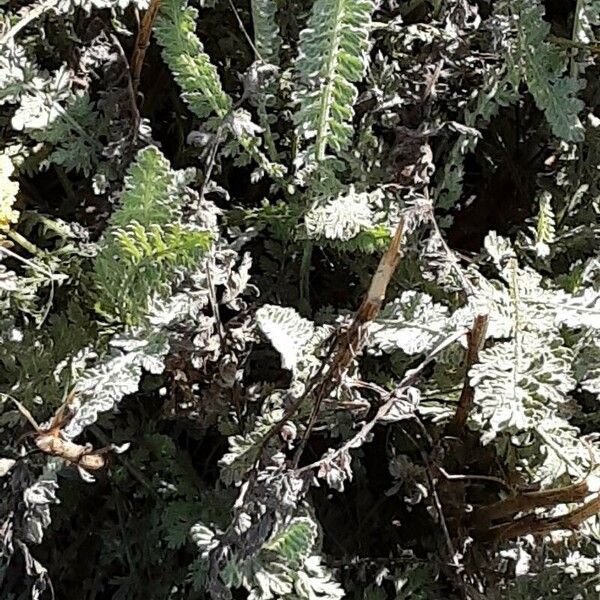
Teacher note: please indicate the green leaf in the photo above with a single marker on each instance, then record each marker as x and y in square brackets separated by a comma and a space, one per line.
[295, 542]
[287, 331]
[146, 249]
[266, 30]
[333, 57]
[201, 87]
[542, 65]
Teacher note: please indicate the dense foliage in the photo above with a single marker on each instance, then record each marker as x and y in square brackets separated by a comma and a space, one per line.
[299, 299]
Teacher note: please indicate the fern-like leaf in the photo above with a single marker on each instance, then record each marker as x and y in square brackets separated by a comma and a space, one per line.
[244, 450]
[546, 226]
[412, 323]
[333, 57]
[201, 87]
[295, 542]
[286, 330]
[342, 217]
[146, 246]
[542, 65]
[587, 17]
[182, 50]
[266, 30]
[104, 385]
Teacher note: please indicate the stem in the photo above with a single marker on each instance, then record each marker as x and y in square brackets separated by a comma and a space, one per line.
[141, 44]
[561, 41]
[409, 378]
[210, 165]
[331, 65]
[305, 278]
[23, 242]
[576, 23]
[476, 338]
[244, 31]
[264, 122]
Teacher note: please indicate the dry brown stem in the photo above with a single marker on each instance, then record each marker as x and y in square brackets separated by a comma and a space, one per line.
[347, 345]
[475, 339]
[409, 379]
[50, 440]
[535, 525]
[483, 521]
[141, 43]
[528, 501]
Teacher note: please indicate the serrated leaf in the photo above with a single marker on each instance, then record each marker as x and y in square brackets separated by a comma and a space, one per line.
[412, 323]
[343, 217]
[333, 56]
[294, 543]
[287, 331]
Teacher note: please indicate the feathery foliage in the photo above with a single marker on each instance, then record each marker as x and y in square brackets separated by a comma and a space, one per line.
[333, 55]
[542, 65]
[146, 246]
[183, 52]
[266, 30]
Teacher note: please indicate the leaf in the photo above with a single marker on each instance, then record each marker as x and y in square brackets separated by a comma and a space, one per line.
[542, 66]
[104, 385]
[333, 56]
[146, 247]
[587, 18]
[315, 581]
[266, 31]
[244, 449]
[39, 110]
[287, 331]
[177, 521]
[546, 224]
[343, 217]
[74, 136]
[200, 84]
[37, 499]
[183, 52]
[412, 323]
[295, 542]
[6, 464]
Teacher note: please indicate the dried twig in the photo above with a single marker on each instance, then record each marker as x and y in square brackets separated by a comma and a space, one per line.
[51, 441]
[475, 339]
[486, 522]
[535, 525]
[245, 31]
[528, 501]
[349, 344]
[343, 347]
[141, 43]
[410, 377]
[471, 477]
